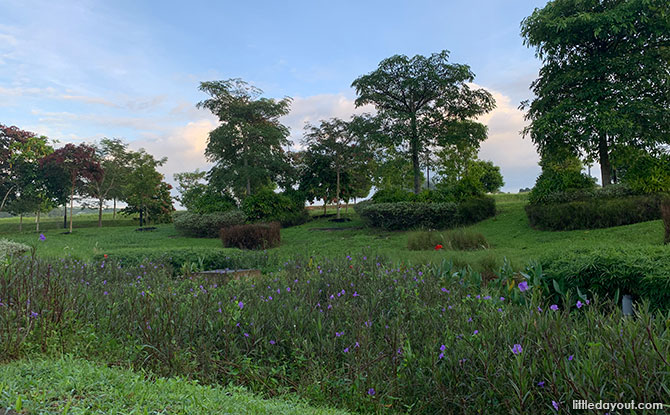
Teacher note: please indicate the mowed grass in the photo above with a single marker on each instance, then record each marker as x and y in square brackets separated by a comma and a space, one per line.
[75, 386]
[508, 235]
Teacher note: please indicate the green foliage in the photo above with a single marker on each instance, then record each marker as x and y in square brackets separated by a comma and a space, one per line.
[395, 195]
[74, 386]
[252, 236]
[476, 209]
[248, 146]
[349, 324]
[642, 273]
[423, 102]
[648, 174]
[613, 191]
[175, 259]
[665, 214]
[145, 192]
[594, 213]
[10, 249]
[268, 206]
[559, 176]
[457, 240]
[207, 225]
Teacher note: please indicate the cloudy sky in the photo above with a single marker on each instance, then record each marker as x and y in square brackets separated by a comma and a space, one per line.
[77, 71]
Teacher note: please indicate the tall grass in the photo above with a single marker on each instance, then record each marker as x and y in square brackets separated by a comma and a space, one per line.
[358, 332]
[458, 240]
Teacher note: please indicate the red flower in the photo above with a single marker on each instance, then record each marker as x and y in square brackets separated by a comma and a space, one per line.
[351, 266]
[105, 255]
[438, 247]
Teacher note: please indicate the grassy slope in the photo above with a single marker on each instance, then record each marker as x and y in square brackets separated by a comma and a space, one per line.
[508, 234]
[49, 386]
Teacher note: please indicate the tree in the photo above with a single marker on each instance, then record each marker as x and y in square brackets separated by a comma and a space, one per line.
[248, 147]
[317, 178]
[489, 176]
[10, 140]
[113, 156]
[343, 149]
[79, 163]
[605, 78]
[144, 191]
[424, 101]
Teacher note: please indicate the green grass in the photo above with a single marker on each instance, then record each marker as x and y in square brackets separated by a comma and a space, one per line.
[508, 234]
[75, 386]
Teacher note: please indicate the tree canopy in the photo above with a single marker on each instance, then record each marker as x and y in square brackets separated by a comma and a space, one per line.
[424, 101]
[605, 80]
[248, 147]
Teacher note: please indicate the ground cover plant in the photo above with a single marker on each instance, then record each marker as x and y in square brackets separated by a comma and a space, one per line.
[458, 239]
[359, 332]
[74, 386]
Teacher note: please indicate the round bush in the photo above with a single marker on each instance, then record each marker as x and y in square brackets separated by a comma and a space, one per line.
[207, 225]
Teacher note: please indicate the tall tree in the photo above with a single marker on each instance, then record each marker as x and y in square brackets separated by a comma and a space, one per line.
[317, 177]
[423, 99]
[145, 192]
[114, 158]
[10, 140]
[80, 164]
[248, 147]
[605, 80]
[344, 149]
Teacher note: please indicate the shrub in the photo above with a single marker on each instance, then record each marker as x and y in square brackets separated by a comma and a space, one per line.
[268, 206]
[176, 259]
[396, 195]
[594, 213]
[458, 240]
[206, 225]
[11, 248]
[614, 191]
[413, 215]
[642, 273]
[560, 176]
[665, 213]
[252, 236]
[409, 215]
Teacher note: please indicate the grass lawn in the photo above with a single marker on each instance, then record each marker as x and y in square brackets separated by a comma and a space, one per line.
[75, 386]
[508, 234]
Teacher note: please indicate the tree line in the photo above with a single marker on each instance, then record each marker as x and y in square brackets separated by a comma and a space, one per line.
[35, 177]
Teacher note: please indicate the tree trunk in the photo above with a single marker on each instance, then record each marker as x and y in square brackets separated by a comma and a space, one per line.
[605, 166]
[246, 164]
[20, 222]
[325, 205]
[65, 215]
[4, 199]
[71, 207]
[37, 222]
[338, 194]
[141, 217]
[114, 214]
[100, 213]
[346, 207]
[414, 148]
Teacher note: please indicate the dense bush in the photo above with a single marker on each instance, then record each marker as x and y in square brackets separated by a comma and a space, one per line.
[11, 248]
[360, 333]
[252, 236]
[642, 273]
[206, 225]
[268, 206]
[205, 199]
[613, 191]
[458, 239]
[559, 176]
[594, 213]
[178, 259]
[396, 195]
[410, 215]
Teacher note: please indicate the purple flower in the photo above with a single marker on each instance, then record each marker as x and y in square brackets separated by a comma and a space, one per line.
[475, 332]
[346, 350]
[579, 304]
[440, 356]
[554, 307]
[539, 309]
[105, 293]
[517, 349]
[572, 356]
[371, 391]
[272, 342]
[555, 404]
[540, 384]
[502, 298]
[523, 286]
[240, 304]
[42, 237]
[443, 348]
[288, 289]
[339, 333]
[246, 334]
[500, 310]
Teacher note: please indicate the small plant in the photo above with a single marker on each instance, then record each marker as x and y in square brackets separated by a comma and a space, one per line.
[252, 236]
[10, 248]
[456, 240]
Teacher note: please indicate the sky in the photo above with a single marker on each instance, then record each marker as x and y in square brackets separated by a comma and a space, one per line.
[77, 71]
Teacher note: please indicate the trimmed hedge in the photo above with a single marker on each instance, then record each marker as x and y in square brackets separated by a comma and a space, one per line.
[642, 273]
[412, 215]
[203, 258]
[252, 236]
[594, 213]
[207, 225]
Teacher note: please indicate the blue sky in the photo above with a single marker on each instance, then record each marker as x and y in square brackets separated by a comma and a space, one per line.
[81, 70]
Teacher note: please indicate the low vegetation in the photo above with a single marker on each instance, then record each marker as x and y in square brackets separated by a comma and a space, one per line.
[206, 225]
[252, 236]
[458, 239]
